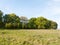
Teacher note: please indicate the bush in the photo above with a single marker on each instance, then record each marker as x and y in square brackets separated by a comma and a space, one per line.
[8, 25]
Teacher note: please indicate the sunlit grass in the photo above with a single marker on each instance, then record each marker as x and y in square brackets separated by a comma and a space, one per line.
[29, 37]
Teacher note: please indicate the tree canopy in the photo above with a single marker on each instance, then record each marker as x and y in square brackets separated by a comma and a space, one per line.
[12, 21]
[1, 15]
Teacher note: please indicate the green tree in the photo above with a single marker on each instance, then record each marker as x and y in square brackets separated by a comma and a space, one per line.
[12, 19]
[32, 23]
[42, 23]
[1, 21]
[53, 25]
[1, 14]
[8, 25]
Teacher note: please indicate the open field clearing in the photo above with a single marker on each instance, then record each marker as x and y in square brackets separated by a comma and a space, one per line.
[29, 37]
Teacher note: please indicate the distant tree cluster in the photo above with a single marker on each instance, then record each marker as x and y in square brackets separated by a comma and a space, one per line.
[12, 21]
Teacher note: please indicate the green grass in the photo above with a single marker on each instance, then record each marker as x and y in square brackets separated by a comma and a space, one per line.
[29, 37]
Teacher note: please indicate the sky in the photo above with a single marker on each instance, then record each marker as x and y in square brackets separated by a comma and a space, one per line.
[49, 9]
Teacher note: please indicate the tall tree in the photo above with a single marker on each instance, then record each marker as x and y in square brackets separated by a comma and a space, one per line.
[1, 14]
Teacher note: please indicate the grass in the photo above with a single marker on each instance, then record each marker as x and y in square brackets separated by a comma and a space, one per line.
[30, 37]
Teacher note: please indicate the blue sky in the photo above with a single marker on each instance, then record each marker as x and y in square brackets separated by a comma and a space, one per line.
[33, 8]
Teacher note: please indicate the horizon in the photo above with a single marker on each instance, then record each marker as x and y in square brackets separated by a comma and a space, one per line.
[49, 9]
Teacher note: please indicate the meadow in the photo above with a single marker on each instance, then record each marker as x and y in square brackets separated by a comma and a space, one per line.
[29, 37]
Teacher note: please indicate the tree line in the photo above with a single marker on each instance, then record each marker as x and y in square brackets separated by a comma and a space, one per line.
[12, 21]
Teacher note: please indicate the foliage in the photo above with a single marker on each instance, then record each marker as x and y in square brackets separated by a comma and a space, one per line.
[12, 21]
[1, 14]
[1, 23]
[8, 25]
[41, 22]
[32, 24]
[12, 25]
[11, 18]
[53, 25]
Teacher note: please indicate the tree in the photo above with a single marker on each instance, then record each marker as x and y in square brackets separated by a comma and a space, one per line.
[1, 23]
[48, 24]
[8, 25]
[53, 25]
[24, 22]
[42, 23]
[1, 14]
[13, 19]
[32, 24]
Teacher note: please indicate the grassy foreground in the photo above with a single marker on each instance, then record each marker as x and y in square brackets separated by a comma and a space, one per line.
[29, 37]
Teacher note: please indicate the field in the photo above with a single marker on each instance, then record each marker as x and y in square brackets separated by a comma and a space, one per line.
[29, 37]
